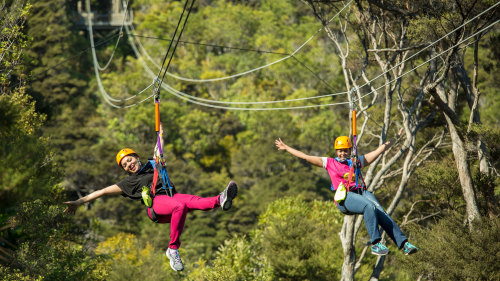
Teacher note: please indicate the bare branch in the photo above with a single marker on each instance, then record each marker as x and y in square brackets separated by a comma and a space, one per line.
[361, 256]
[398, 50]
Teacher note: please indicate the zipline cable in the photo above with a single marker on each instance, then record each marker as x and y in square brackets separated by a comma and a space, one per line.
[431, 44]
[183, 96]
[105, 95]
[34, 77]
[188, 97]
[258, 68]
[109, 100]
[160, 160]
[120, 33]
[143, 51]
[321, 96]
[134, 34]
[148, 70]
[434, 57]
[176, 43]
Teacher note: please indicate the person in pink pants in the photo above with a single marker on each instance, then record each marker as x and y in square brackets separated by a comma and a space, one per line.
[164, 209]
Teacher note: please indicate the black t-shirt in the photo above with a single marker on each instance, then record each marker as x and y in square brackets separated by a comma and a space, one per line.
[131, 186]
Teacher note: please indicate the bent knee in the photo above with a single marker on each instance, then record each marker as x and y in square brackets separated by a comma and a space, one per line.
[370, 207]
[180, 206]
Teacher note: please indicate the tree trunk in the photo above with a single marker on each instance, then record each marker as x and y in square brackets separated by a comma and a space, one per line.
[464, 174]
[347, 238]
[447, 104]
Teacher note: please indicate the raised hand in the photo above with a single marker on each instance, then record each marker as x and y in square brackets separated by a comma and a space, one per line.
[280, 144]
[71, 206]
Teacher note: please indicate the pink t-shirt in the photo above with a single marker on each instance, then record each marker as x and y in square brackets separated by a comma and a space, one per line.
[337, 169]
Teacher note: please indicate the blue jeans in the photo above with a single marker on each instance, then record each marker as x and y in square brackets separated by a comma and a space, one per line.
[374, 215]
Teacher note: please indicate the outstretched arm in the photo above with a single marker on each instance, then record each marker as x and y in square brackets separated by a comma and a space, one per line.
[314, 160]
[371, 156]
[110, 190]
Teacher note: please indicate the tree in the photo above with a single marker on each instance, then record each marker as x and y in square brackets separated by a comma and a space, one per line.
[55, 252]
[294, 240]
[130, 258]
[370, 40]
[461, 255]
[52, 56]
[448, 75]
[24, 154]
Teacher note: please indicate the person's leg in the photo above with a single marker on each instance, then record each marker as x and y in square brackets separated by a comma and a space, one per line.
[387, 223]
[168, 209]
[357, 204]
[227, 195]
[174, 209]
[194, 202]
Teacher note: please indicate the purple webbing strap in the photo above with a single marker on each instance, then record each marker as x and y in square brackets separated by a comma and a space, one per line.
[159, 144]
[355, 147]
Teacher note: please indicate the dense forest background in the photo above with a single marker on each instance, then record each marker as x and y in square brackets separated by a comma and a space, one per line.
[60, 132]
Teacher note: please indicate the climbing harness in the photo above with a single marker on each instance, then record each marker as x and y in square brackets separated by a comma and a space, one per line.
[354, 162]
[149, 193]
[160, 163]
[355, 167]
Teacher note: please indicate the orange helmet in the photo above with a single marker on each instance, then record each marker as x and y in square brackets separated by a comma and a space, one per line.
[342, 142]
[122, 153]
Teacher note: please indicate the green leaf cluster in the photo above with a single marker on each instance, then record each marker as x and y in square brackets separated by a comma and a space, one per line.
[283, 224]
[48, 248]
[448, 251]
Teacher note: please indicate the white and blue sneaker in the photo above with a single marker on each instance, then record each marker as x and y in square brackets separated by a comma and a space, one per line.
[175, 259]
[409, 249]
[226, 197]
[379, 249]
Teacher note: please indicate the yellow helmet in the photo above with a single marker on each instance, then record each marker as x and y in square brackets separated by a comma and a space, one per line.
[342, 142]
[122, 153]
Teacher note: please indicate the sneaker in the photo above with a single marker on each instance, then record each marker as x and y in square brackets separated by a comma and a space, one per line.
[380, 249]
[409, 249]
[226, 197]
[175, 259]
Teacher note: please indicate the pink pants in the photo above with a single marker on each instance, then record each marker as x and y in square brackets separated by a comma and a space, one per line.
[173, 210]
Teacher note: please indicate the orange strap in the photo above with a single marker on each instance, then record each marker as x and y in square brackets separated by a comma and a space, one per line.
[157, 116]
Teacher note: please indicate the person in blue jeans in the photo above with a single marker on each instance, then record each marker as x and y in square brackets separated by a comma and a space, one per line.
[358, 199]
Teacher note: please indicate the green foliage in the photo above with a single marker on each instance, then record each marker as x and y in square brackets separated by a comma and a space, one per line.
[300, 240]
[49, 248]
[28, 170]
[439, 187]
[130, 258]
[12, 39]
[238, 259]
[55, 74]
[295, 240]
[489, 135]
[450, 251]
[9, 274]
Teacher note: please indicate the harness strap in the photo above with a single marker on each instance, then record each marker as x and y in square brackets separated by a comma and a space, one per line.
[164, 177]
[155, 180]
[351, 172]
[154, 218]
